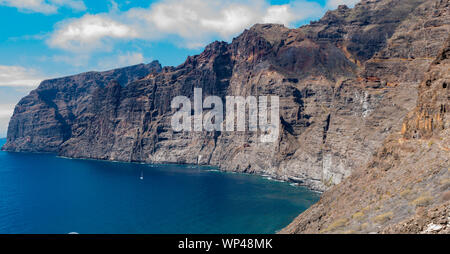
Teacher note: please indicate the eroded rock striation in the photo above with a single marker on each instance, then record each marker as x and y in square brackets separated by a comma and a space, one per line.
[345, 83]
[405, 188]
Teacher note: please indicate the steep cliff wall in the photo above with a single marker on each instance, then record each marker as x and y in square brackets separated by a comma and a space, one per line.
[336, 105]
[405, 188]
[43, 120]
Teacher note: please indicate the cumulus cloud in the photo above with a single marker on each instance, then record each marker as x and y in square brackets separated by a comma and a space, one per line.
[194, 18]
[193, 22]
[18, 76]
[44, 6]
[288, 14]
[336, 3]
[89, 32]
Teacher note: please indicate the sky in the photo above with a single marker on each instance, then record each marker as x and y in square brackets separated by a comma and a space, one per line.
[41, 39]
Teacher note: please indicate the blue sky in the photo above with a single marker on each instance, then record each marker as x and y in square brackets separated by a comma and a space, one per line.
[42, 39]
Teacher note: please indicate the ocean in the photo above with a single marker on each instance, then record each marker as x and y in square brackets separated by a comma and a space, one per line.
[46, 194]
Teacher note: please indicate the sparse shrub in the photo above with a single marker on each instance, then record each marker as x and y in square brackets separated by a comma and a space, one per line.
[383, 218]
[336, 224]
[328, 182]
[358, 215]
[364, 226]
[405, 193]
[422, 201]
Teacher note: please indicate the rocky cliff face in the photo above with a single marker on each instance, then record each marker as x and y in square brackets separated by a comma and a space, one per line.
[405, 188]
[44, 119]
[345, 82]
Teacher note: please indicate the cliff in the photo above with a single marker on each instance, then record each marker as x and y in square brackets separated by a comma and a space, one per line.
[405, 188]
[44, 119]
[345, 83]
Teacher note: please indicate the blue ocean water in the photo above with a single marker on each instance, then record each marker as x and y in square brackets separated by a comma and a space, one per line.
[42, 193]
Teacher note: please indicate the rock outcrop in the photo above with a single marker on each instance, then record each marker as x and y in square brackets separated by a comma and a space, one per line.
[405, 188]
[345, 82]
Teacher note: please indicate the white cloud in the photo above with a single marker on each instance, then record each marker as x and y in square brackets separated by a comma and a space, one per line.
[290, 13]
[18, 76]
[278, 14]
[88, 33]
[193, 22]
[195, 18]
[44, 6]
[121, 60]
[336, 3]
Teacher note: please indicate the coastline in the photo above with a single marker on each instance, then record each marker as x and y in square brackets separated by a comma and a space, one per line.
[270, 177]
[210, 168]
